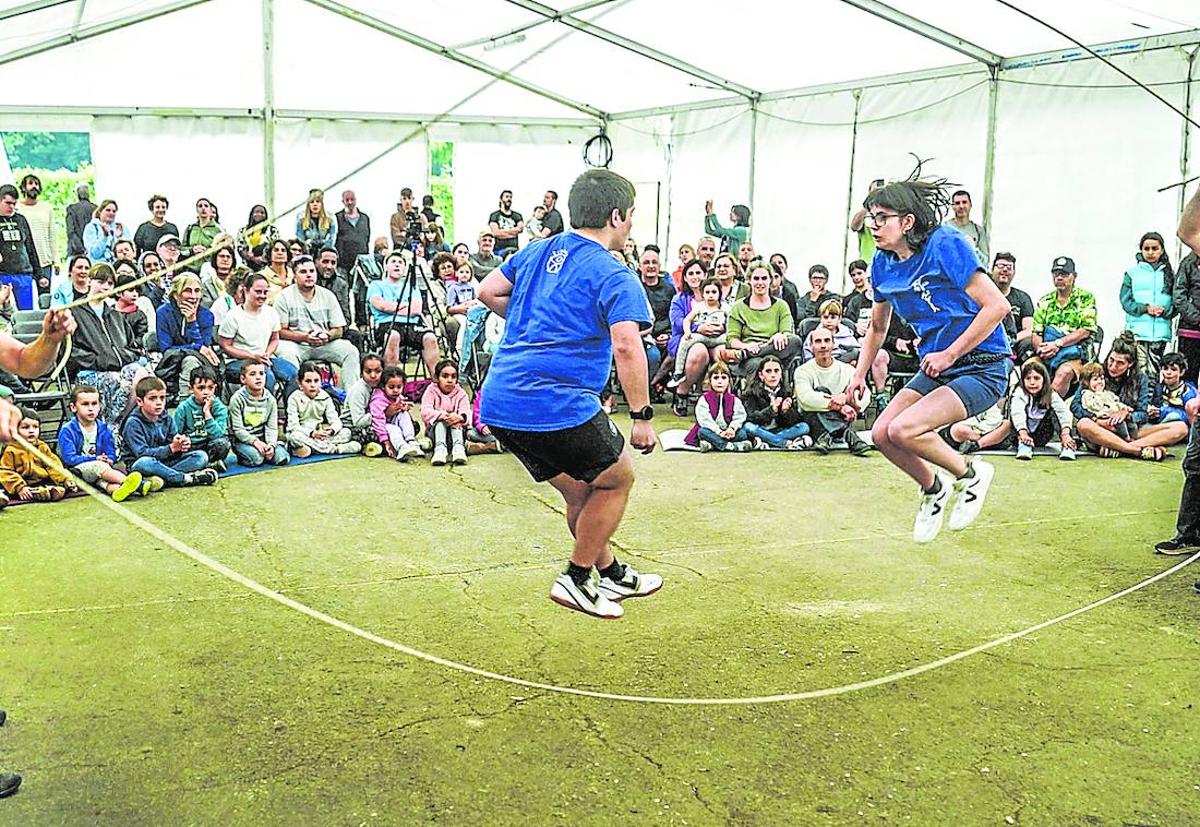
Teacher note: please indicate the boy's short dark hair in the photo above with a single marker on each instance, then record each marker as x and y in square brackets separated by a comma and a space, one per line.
[818, 268]
[124, 280]
[957, 193]
[147, 384]
[79, 390]
[857, 264]
[203, 372]
[1174, 359]
[307, 367]
[595, 195]
[246, 365]
[29, 413]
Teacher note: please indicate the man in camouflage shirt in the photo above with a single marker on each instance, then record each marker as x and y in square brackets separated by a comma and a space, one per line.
[1063, 321]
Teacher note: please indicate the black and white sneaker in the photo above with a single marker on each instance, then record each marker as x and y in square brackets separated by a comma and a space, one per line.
[586, 598]
[205, 476]
[970, 493]
[1176, 548]
[932, 512]
[632, 584]
[10, 782]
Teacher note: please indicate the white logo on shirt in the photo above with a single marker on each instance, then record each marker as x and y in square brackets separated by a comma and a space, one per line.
[920, 285]
[557, 259]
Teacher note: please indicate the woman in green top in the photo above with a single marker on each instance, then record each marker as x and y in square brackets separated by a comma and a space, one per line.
[731, 237]
[760, 325]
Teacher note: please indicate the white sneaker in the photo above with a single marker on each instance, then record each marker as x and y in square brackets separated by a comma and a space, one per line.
[970, 495]
[350, 447]
[586, 598]
[739, 446]
[802, 443]
[439, 455]
[932, 512]
[405, 451]
[458, 455]
[1067, 454]
[1024, 451]
[632, 584]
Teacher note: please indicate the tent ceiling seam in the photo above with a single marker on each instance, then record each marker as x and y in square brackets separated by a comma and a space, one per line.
[452, 55]
[608, 36]
[927, 31]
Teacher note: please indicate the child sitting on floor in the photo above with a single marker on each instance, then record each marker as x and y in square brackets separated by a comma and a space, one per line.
[446, 410]
[153, 447]
[254, 420]
[480, 439]
[356, 413]
[1038, 413]
[1098, 401]
[772, 418]
[87, 449]
[204, 418]
[1170, 395]
[313, 424]
[390, 418]
[720, 415]
[27, 476]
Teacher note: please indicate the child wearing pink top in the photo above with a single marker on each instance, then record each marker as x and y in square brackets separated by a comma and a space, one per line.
[446, 412]
[390, 418]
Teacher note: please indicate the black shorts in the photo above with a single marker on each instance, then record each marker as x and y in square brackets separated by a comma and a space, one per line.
[410, 335]
[583, 452]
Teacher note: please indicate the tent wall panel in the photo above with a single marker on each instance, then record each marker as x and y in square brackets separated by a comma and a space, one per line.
[181, 158]
[524, 160]
[802, 172]
[313, 154]
[1077, 171]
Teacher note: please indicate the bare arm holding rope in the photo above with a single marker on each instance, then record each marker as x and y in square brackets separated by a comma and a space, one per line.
[31, 361]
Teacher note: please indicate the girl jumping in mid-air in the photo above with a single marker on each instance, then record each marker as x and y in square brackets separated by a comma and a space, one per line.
[932, 277]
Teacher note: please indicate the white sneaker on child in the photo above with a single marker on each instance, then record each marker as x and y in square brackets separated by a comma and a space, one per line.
[350, 447]
[586, 598]
[439, 455]
[406, 450]
[458, 455]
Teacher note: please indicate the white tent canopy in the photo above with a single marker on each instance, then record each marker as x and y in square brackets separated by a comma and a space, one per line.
[789, 107]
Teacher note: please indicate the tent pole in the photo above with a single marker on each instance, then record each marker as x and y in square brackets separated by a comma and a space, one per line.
[268, 130]
[989, 157]
[850, 181]
[1186, 144]
[753, 153]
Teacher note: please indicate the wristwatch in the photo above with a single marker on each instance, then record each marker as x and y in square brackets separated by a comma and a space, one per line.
[645, 414]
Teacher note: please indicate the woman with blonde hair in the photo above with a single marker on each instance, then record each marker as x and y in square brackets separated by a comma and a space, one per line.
[184, 324]
[314, 226]
[103, 232]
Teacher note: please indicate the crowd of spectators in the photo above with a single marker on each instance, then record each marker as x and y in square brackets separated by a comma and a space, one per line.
[271, 346]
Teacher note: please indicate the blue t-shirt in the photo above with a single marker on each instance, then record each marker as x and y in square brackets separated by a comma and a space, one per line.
[389, 292]
[929, 291]
[554, 359]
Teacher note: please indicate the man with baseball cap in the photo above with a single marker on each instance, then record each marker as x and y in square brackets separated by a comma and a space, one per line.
[1063, 321]
[486, 260]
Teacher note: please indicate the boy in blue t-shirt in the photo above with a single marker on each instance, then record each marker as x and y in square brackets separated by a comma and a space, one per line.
[571, 309]
[1170, 394]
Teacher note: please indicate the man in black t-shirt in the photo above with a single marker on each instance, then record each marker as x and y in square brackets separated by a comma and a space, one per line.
[1018, 325]
[552, 223]
[18, 255]
[506, 225]
[857, 304]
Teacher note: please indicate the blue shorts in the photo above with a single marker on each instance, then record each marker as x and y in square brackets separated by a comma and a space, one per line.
[979, 386]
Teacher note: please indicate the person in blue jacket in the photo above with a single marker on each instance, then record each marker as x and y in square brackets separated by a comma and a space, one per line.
[1146, 300]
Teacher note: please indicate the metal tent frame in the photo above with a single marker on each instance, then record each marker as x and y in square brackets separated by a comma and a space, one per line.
[982, 60]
